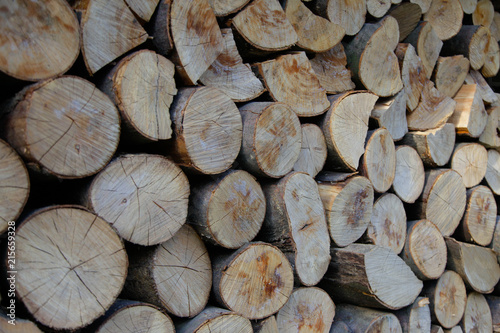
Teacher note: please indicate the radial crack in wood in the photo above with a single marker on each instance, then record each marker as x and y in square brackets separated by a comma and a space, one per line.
[313, 151]
[446, 17]
[470, 161]
[409, 179]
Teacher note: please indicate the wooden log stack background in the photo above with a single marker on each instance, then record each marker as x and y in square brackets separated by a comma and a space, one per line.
[250, 165]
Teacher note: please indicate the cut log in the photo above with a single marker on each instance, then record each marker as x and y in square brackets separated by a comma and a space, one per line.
[43, 41]
[229, 210]
[345, 131]
[308, 309]
[477, 316]
[470, 161]
[264, 26]
[408, 15]
[20, 326]
[443, 200]
[371, 57]
[491, 135]
[64, 127]
[227, 7]
[144, 197]
[350, 15]
[387, 225]
[379, 160]
[268, 325]
[493, 171]
[494, 304]
[433, 111]
[142, 86]
[410, 175]
[372, 276]
[436, 329]
[295, 221]
[495, 243]
[214, 319]
[470, 116]
[143, 9]
[425, 250]
[416, 317]
[315, 33]
[68, 284]
[427, 44]
[230, 74]
[447, 296]
[471, 41]
[412, 74]
[271, 138]
[424, 4]
[313, 151]
[161, 30]
[468, 6]
[108, 30]
[15, 186]
[365, 320]
[255, 281]
[446, 17]
[477, 265]
[378, 8]
[208, 130]
[197, 38]
[488, 95]
[290, 79]
[492, 61]
[450, 74]
[495, 26]
[483, 13]
[330, 68]
[175, 275]
[391, 114]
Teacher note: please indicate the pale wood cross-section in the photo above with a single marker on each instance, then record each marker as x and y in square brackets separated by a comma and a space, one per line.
[477, 316]
[313, 151]
[408, 16]
[39, 40]
[427, 44]
[495, 26]
[227, 7]
[21, 325]
[468, 6]
[450, 74]
[416, 317]
[143, 8]
[378, 8]
[268, 325]
[470, 161]
[351, 318]
[71, 266]
[471, 41]
[470, 117]
[410, 175]
[213, 319]
[494, 304]
[446, 17]
[492, 58]
[495, 243]
[490, 137]
[483, 13]
[391, 114]
[412, 74]
[350, 15]
[493, 171]
[424, 4]
[488, 95]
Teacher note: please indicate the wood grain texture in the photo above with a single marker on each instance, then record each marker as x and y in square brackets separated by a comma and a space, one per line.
[490, 137]
[492, 175]
[492, 57]
[226, 7]
[470, 116]
[470, 161]
[427, 44]
[391, 114]
[477, 316]
[450, 74]
[416, 317]
[488, 95]
[446, 17]
[412, 74]
[143, 9]
[213, 319]
[409, 179]
[313, 151]
[348, 14]
[468, 6]
[471, 41]
[408, 15]
[330, 68]
[351, 318]
[483, 13]
[424, 4]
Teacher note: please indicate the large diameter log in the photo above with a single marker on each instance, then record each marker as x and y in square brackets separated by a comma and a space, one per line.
[348, 14]
[364, 320]
[42, 42]
[490, 137]
[488, 95]
[68, 284]
[371, 57]
[345, 129]
[425, 250]
[272, 138]
[412, 74]
[483, 13]
[144, 197]
[409, 179]
[446, 17]
[228, 211]
[408, 15]
[492, 58]
[313, 152]
[175, 275]
[470, 116]
[213, 319]
[290, 79]
[391, 114]
[450, 74]
[255, 281]
[207, 128]
[494, 303]
[308, 309]
[348, 207]
[477, 316]
[416, 317]
[493, 171]
[470, 161]
[295, 221]
[427, 44]
[370, 275]
[65, 127]
[471, 42]
[477, 265]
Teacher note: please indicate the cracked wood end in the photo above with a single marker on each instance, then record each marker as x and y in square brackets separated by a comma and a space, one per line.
[446, 17]
[470, 161]
[313, 151]
[410, 175]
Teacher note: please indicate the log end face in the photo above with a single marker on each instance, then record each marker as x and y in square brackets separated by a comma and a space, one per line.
[449, 299]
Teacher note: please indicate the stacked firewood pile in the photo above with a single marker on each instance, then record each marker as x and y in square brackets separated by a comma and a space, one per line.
[249, 166]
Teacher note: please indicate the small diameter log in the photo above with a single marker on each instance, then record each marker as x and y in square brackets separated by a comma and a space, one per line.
[425, 250]
[365, 320]
[470, 116]
[161, 30]
[230, 74]
[64, 127]
[490, 137]
[378, 8]
[345, 131]
[471, 42]
[142, 86]
[483, 13]
[268, 325]
[228, 211]
[213, 319]
[416, 317]
[493, 171]
[446, 17]
[387, 225]
[468, 6]
[379, 160]
[348, 207]
[494, 304]
[143, 9]
[295, 221]
[290, 79]
[255, 281]
[408, 15]
[175, 275]
[15, 185]
[263, 24]
[308, 309]
[427, 44]
[443, 200]
[68, 284]
[18, 325]
[447, 296]
[227, 7]
[208, 130]
[371, 58]
[271, 138]
[372, 276]
[433, 111]
[330, 68]
[412, 74]
[477, 265]
[348, 14]
[315, 33]
[492, 61]
[43, 42]
[470, 161]
[450, 74]
[144, 197]
[410, 175]
[313, 151]
[434, 146]
[424, 4]
[477, 316]
[391, 114]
